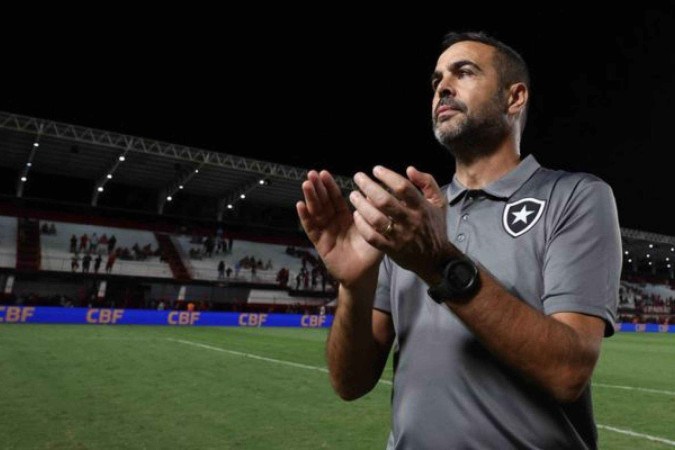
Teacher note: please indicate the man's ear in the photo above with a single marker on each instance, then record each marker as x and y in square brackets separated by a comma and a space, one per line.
[518, 96]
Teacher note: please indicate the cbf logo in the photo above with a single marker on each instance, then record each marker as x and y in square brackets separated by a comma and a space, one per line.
[520, 216]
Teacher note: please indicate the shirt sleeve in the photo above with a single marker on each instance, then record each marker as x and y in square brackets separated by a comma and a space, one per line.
[383, 292]
[582, 263]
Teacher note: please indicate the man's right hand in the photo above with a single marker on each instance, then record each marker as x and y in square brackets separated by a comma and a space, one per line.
[329, 224]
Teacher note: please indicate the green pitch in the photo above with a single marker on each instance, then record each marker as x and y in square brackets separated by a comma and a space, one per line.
[132, 387]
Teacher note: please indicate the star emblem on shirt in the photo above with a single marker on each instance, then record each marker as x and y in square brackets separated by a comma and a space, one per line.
[521, 216]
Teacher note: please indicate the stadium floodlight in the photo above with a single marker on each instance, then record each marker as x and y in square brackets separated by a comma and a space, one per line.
[648, 255]
[650, 263]
[180, 187]
[109, 176]
[36, 144]
[242, 196]
[169, 198]
[29, 164]
[196, 170]
[229, 206]
[669, 266]
[100, 189]
[626, 252]
[122, 158]
[630, 260]
[262, 182]
[24, 179]
[651, 245]
[667, 258]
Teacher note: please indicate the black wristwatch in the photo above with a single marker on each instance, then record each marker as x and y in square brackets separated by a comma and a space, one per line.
[460, 281]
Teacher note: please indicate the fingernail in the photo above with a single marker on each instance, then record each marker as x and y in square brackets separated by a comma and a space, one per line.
[377, 169]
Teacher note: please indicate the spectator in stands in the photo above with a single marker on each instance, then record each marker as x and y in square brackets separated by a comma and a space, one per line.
[73, 244]
[52, 229]
[86, 263]
[112, 242]
[75, 262]
[486, 359]
[97, 263]
[93, 243]
[84, 239]
[230, 242]
[111, 261]
[44, 229]
[228, 272]
[221, 269]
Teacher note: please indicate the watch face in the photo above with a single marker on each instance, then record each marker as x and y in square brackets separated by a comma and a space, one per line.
[462, 274]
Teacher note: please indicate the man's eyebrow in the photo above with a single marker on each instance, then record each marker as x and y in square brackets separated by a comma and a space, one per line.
[464, 62]
[454, 67]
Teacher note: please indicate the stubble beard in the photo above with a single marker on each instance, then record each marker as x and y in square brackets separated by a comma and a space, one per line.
[474, 135]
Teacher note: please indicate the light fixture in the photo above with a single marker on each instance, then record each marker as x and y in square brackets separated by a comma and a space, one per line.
[122, 158]
[169, 198]
[100, 188]
[109, 176]
[651, 245]
[24, 179]
[180, 187]
[36, 144]
[229, 206]
[242, 196]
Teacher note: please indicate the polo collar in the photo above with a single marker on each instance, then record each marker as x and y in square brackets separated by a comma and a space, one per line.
[502, 188]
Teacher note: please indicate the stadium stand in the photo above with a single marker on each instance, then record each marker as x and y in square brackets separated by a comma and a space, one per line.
[8, 233]
[171, 200]
[137, 250]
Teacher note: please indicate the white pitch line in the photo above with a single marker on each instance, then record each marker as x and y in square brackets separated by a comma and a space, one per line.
[640, 435]
[387, 382]
[631, 388]
[259, 358]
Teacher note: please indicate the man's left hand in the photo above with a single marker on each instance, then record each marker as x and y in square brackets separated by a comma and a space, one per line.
[407, 224]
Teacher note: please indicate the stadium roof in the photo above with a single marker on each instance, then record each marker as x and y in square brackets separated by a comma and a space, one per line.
[105, 156]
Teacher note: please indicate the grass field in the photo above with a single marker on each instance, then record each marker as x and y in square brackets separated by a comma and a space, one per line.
[133, 387]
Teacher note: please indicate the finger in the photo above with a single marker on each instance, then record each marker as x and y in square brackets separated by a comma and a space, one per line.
[368, 233]
[400, 186]
[319, 188]
[368, 212]
[427, 184]
[379, 197]
[334, 192]
[307, 222]
[311, 198]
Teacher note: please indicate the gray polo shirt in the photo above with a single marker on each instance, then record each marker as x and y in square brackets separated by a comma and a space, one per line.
[552, 239]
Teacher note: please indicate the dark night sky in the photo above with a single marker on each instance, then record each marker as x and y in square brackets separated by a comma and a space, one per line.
[346, 91]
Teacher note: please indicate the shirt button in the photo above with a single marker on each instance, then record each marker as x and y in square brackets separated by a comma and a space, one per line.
[465, 217]
[461, 237]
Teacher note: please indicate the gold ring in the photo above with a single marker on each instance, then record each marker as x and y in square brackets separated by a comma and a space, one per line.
[390, 226]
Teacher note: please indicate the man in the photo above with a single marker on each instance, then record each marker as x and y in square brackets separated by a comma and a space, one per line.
[496, 291]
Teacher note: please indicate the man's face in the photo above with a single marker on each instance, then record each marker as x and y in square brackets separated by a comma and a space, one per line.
[468, 103]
